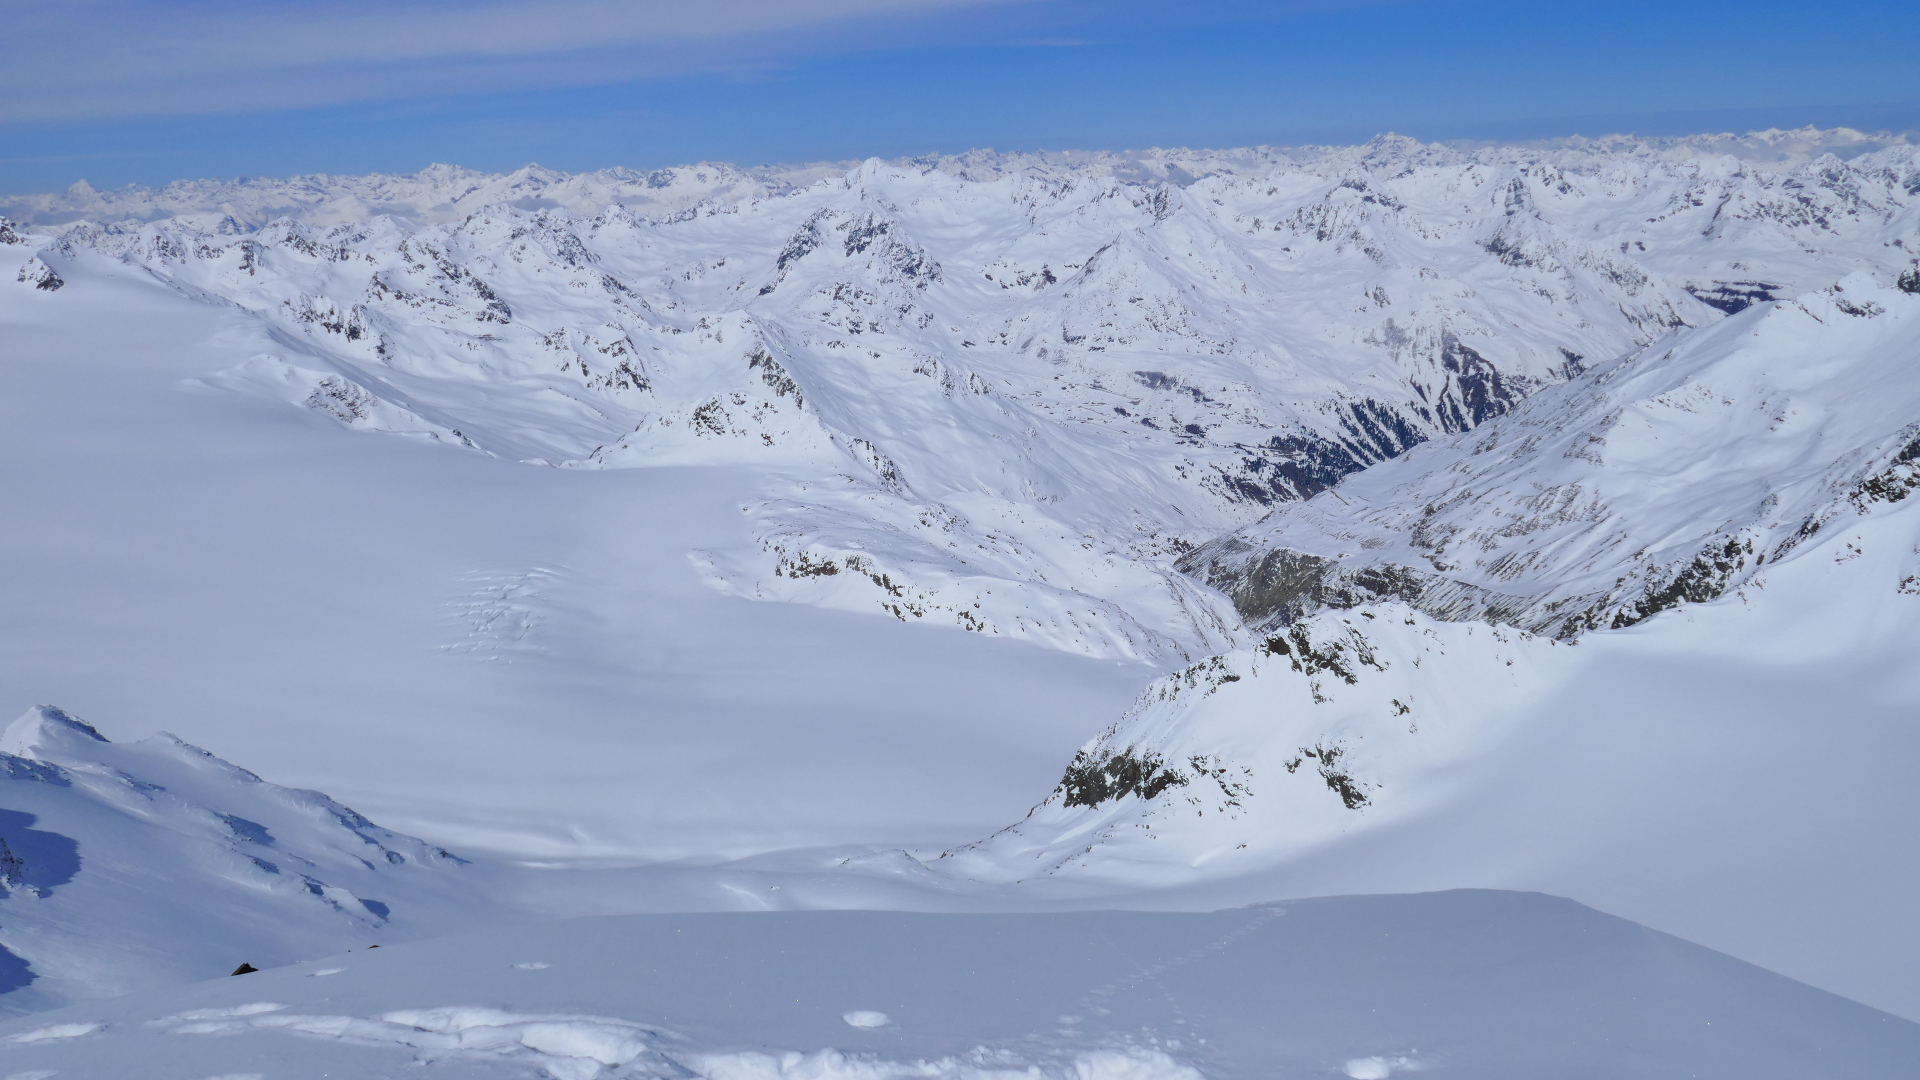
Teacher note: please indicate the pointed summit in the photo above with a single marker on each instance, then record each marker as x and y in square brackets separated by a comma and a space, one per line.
[43, 728]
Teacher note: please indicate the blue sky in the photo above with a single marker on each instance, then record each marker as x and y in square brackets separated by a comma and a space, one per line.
[120, 91]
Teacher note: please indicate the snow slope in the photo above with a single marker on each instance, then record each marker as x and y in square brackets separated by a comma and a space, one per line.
[126, 865]
[1480, 984]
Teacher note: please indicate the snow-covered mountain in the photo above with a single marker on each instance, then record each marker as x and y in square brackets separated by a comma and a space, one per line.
[1668, 476]
[956, 372]
[127, 865]
[1528, 517]
[1623, 610]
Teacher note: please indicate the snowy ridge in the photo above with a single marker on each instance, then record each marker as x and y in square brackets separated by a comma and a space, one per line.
[1260, 755]
[1668, 477]
[180, 865]
[956, 371]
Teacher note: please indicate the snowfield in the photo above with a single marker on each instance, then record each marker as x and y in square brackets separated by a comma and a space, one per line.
[724, 540]
[1471, 983]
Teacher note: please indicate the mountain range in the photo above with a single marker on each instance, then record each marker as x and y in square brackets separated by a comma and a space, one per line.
[1456, 516]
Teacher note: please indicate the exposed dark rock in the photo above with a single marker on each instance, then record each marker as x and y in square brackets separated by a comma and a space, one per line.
[1090, 781]
[40, 276]
[1379, 431]
[1288, 467]
[1273, 589]
[1269, 588]
[1893, 483]
[903, 258]
[805, 565]
[1733, 297]
[1338, 780]
[775, 375]
[1476, 391]
[801, 244]
[13, 871]
[1313, 658]
[1703, 579]
[342, 400]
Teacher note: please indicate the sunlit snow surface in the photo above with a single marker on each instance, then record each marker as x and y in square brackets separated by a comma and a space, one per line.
[1481, 984]
[467, 517]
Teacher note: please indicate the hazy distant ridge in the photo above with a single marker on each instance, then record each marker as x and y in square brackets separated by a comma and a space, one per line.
[441, 193]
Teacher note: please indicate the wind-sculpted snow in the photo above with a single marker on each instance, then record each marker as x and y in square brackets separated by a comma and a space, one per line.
[131, 863]
[1004, 393]
[1670, 476]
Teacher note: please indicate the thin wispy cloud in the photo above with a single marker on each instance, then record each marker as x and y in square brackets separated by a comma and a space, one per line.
[123, 90]
[95, 58]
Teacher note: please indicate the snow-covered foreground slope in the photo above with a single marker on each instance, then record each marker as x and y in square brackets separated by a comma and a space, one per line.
[154, 862]
[1482, 984]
